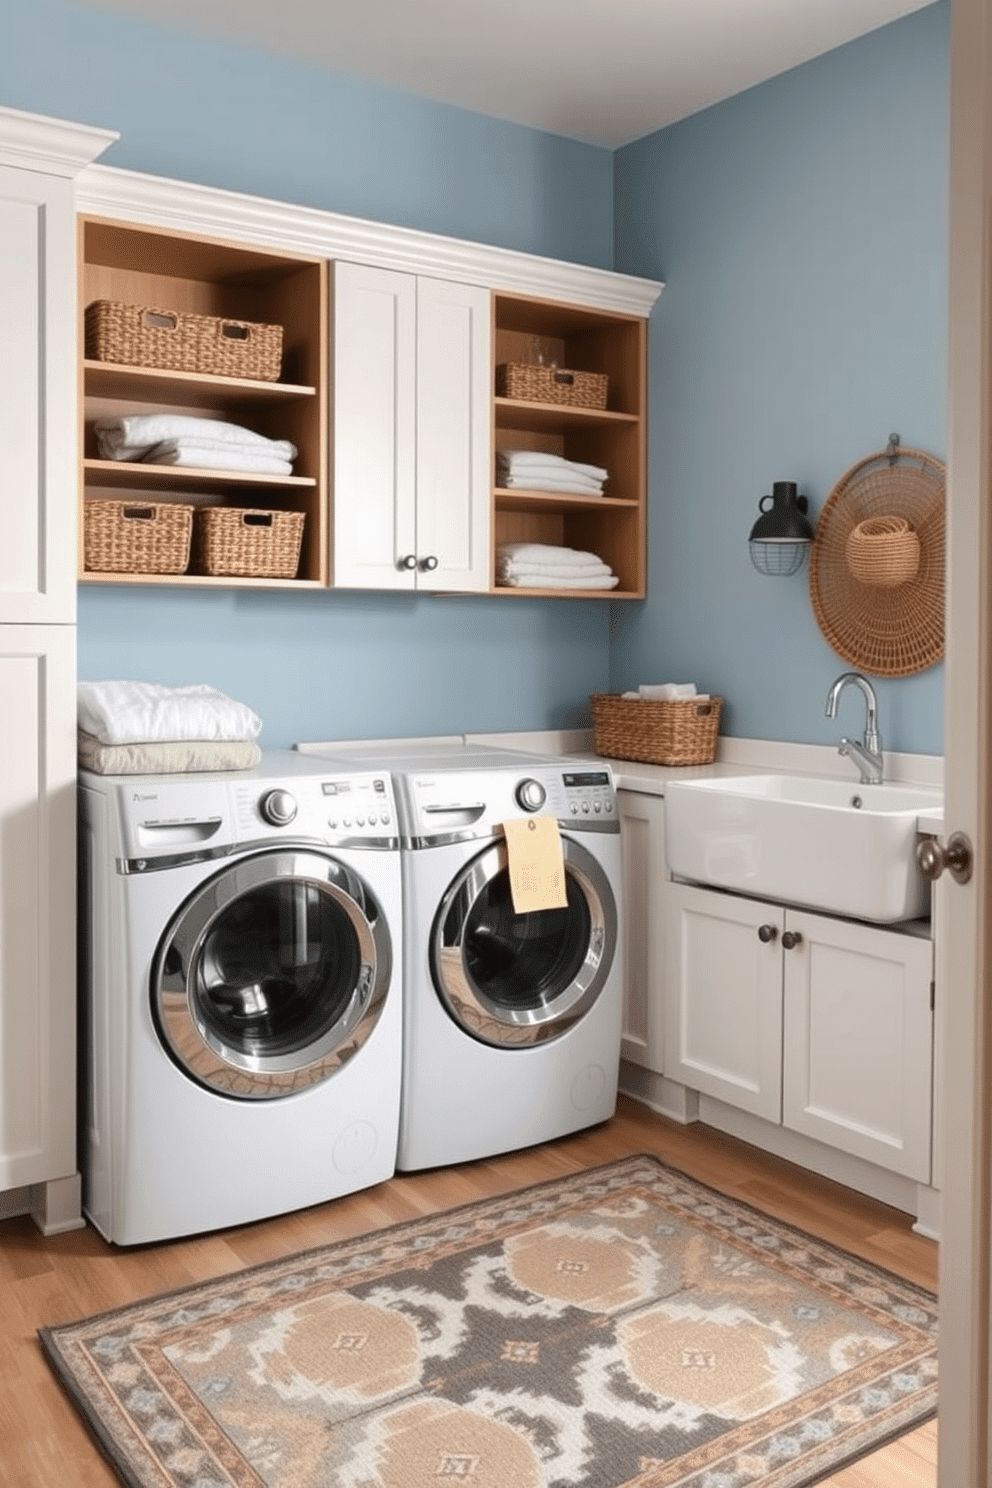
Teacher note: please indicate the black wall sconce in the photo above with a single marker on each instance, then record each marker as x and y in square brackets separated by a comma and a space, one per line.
[781, 537]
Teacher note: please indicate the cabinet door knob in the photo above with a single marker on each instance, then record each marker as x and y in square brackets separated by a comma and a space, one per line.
[767, 933]
[791, 939]
[428, 564]
[408, 561]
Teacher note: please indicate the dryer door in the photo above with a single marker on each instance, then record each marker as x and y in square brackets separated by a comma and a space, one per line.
[521, 979]
[272, 975]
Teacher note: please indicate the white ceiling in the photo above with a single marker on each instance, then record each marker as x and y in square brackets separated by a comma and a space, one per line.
[602, 71]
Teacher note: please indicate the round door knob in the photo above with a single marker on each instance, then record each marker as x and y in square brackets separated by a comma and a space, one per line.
[791, 939]
[531, 795]
[278, 807]
[408, 561]
[932, 858]
[428, 564]
[767, 933]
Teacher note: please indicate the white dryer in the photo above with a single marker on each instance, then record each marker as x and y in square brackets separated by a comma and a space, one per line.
[241, 993]
[512, 1025]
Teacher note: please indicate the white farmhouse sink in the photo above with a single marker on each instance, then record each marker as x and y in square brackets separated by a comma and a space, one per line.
[822, 843]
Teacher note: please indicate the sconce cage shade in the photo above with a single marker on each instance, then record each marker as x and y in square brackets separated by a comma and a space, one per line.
[777, 559]
[782, 535]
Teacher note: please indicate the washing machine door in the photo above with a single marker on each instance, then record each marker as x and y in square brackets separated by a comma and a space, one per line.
[272, 975]
[515, 980]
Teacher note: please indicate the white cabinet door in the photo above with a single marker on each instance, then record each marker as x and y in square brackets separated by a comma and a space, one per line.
[374, 427]
[723, 1015]
[858, 1038]
[37, 398]
[645, 881]
[37, 905]
[411, 459]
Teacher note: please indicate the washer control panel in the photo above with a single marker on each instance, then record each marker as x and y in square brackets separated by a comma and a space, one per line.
[358, 809]
[589, 795]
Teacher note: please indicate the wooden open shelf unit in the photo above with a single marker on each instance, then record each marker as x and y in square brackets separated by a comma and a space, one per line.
[140, 265]
[614, 525]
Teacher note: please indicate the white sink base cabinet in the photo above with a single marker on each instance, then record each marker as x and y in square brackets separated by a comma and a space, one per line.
[821, 1051]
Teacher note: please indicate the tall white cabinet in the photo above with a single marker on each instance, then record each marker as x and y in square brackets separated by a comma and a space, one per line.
[411, 445]
[39, 158]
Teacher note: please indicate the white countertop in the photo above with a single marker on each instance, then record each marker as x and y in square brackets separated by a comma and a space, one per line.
[733, 757]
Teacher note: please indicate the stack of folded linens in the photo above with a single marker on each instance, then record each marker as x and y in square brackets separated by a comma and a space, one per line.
[181, 439]
[144, 728]
[544, 566]
[536, 470]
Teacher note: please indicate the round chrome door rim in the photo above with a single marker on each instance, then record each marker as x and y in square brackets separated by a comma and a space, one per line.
[199, 1050]
[493, 1022]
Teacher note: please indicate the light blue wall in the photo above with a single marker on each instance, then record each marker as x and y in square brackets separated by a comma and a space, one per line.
[801, 231]
[336, 664]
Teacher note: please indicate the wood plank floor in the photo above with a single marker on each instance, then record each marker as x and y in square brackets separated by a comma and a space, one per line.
[47, 1281]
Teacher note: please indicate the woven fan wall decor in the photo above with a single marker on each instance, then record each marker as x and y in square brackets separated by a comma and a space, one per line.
[876, 575]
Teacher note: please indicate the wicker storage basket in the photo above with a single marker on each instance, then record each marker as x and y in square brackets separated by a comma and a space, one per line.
[174, 341]
[247, 542]
[539, 384]
[656, 733]
[884, 551]
[136, 537]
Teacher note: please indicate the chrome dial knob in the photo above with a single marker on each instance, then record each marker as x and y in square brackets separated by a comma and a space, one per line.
[278, 807]
[530, 795]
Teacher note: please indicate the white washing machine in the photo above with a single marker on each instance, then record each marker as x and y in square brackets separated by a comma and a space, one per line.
[512, 1025]
[241, 993]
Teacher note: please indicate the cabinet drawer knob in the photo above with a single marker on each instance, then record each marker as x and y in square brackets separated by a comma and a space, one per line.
[791, 939]
[767, 933]
[408, 561]
[428, 564]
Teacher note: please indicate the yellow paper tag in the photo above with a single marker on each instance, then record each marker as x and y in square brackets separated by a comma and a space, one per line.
[536, 863]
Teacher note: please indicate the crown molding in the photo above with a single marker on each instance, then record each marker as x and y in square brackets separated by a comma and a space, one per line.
[206, 211]
[35, 142]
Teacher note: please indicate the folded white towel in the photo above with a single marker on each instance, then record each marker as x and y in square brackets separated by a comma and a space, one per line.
[536, 480]
[546, 554]
[563, 570]
[667, 692]
[544, 460]
[206, 455]
[552, 580]
[141, 712]
[142, 430]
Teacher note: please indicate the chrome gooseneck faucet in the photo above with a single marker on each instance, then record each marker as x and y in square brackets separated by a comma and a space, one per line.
[868, 754]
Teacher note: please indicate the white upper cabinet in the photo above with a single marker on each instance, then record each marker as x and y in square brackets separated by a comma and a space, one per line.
[38, 160]
[411, 440]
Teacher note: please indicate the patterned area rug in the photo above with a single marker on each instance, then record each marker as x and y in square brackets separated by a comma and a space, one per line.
[623, 1326]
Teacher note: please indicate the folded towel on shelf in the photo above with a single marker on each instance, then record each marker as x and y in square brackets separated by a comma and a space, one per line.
[561, 570]
[547, 554]
[165, 757]
[144, 712]
[552, 579]
[517, 460]
[205, 454]
[534, 470]
[125, 438]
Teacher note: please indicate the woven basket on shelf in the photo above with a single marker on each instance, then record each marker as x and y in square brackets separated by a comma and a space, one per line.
[247, 542]
[136, 537]
[682, 732]
[174, 341]
[540, 384]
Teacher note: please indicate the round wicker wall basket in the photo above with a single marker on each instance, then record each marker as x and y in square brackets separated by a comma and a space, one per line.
[876, 575]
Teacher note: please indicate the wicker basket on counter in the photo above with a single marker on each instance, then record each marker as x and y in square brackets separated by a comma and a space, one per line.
[682, 732]
[177, 341]
[136, 536]
[536, 383]
[247, 542]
